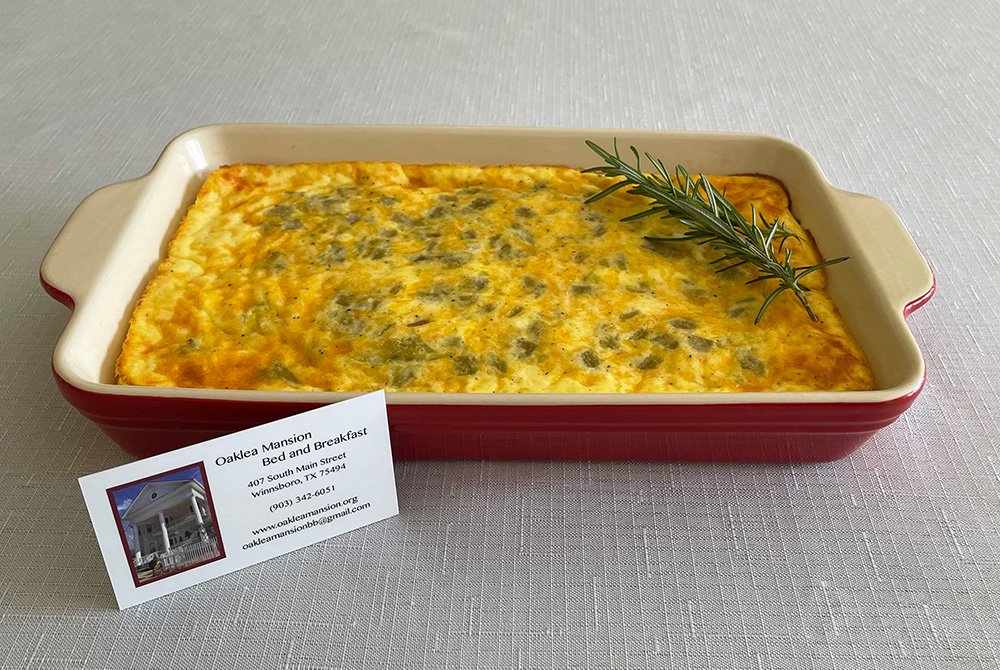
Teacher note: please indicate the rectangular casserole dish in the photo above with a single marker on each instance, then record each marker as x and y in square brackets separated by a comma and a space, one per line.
[101, 260]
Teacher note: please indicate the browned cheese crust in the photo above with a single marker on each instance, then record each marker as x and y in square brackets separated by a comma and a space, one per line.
[360, 276]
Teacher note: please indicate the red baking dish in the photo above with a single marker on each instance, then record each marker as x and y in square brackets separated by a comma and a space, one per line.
[101, 260]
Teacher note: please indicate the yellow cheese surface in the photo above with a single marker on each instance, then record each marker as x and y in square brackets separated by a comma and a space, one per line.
[360, 276]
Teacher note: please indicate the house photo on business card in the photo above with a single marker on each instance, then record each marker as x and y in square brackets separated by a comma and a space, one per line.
[167, 523]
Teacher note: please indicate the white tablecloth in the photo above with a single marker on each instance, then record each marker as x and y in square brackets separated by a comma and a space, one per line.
[886, 559]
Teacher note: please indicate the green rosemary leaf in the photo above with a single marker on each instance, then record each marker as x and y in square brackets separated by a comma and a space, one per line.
[767, 301]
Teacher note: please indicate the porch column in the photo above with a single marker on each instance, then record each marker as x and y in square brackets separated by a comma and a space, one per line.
[163, 531]
[197, 510]
[202, 533]
[138, 543]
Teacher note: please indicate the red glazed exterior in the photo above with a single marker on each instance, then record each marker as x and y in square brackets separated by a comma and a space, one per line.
[149, 425]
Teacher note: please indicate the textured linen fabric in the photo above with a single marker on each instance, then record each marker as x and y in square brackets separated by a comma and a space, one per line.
[885, 559]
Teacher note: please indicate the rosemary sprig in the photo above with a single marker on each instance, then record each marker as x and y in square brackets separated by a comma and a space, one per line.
[711, 219]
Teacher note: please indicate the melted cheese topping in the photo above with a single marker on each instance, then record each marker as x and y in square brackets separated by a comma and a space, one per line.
[359, 276]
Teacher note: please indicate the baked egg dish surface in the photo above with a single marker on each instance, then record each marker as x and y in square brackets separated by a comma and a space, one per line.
[356, 276]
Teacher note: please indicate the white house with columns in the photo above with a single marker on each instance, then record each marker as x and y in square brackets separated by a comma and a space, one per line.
[166, 516]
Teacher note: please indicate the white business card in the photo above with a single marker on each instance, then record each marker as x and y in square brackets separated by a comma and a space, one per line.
[178, 519]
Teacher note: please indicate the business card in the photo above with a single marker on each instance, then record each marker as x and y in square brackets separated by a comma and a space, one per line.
[178, 519]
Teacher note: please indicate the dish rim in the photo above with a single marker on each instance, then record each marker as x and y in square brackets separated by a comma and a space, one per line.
[63, 368]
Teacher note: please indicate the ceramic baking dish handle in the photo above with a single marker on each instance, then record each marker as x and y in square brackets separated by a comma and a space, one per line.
[902, 269]
[73, 262]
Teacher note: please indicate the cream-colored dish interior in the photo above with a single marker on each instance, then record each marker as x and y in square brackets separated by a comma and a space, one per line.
[871, 295]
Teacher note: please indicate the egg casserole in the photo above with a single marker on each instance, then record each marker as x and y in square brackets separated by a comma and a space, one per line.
[451, 278]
